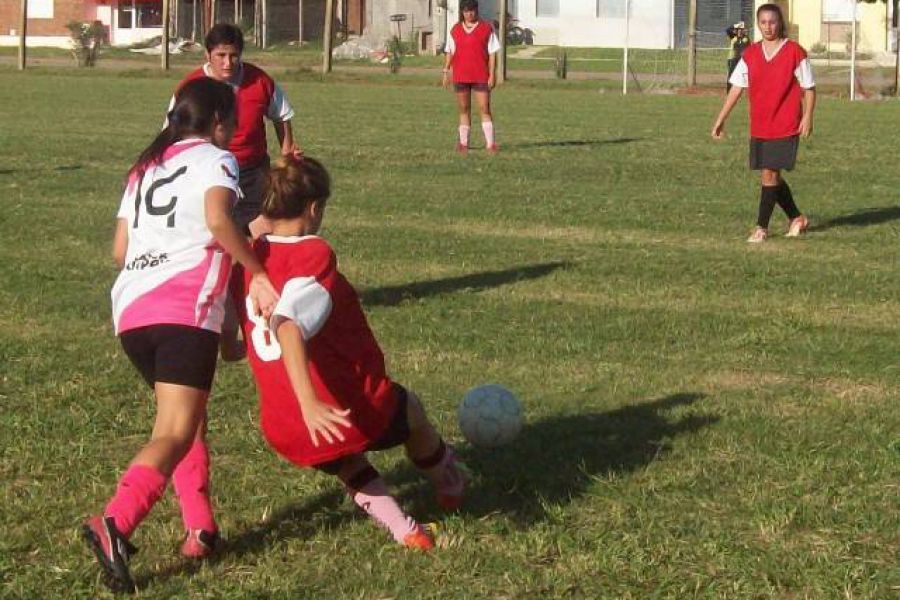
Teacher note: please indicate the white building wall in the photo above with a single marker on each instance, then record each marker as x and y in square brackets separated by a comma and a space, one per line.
[579, 23]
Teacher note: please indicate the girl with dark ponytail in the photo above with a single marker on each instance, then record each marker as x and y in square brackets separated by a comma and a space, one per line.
[175, 241]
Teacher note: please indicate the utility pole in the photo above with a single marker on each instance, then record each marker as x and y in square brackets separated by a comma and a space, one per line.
[692, 44]
[326, 37]
[501, 68]
[23, 32]
[165, 36]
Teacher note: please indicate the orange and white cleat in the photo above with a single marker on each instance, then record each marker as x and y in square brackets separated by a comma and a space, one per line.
[758, 236]
[420, 539]
[797, 226]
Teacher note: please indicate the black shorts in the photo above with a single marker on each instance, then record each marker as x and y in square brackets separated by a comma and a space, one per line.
[471, 87]
[397, 432]
[178, 354]
[774, 154]
[253, 181]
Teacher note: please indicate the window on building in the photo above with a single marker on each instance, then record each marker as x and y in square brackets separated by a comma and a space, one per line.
[40, 9]
[548, 8]
[149, 14]
[125, 18]
[611, 9]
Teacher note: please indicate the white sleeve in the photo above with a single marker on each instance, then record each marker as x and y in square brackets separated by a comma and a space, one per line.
[493, 43]
[126, 207]
[222, 171]
[168, 110]
[306, 303]
[740, 77]
[449, 45]
[804, 75]
[280, 110]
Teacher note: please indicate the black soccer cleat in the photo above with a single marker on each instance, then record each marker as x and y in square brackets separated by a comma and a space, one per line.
[112, 551]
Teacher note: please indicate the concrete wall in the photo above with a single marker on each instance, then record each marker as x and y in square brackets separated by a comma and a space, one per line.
[43, 30]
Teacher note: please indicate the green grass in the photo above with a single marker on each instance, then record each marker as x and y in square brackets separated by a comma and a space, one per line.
[705, 419]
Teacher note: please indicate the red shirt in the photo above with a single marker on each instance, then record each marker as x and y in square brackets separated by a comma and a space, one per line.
[254, 93]
[470, 59]
[775, 94]
[345, 362]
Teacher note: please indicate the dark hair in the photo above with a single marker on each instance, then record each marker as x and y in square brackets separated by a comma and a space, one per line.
[293, 185]
[199, 105]
[224, 34]
[467, 5]
[782, 24]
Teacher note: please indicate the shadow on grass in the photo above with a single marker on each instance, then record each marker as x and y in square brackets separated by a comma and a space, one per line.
[60, 168]
[394, 295]
[574, 143]
[862, 218]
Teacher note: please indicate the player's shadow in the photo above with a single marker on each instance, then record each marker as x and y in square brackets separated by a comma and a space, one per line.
[556, 460]
[574, 143]
[861, 218]
[394, 295]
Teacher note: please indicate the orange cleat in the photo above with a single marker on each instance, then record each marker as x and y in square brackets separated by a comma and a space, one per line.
[420, 539]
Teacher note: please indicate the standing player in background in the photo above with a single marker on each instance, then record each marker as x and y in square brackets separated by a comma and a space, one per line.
[174, 241]
[471, 56]
[782, 99]
[737, 36]
[258, 98]
[325, 396]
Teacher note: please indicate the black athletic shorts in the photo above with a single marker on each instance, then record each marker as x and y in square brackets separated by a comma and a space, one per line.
[178, 354]
[471, 87]
[774, 154]
[253, 182]
[396, 433]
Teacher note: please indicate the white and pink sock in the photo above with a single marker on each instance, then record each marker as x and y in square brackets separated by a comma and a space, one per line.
[488, 128]
[464, 135]
[375, 499]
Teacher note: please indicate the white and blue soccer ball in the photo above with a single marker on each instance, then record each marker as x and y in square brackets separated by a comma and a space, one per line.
[490, 416]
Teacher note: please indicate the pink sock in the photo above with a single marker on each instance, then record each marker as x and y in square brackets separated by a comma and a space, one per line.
[488, 128]
[139, 489]
[441, 469]
[375, 499]
[191, 481]
[464, 135]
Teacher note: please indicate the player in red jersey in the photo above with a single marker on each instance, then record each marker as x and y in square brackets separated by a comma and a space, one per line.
[325, 396]
[471, 56]
[782, 92]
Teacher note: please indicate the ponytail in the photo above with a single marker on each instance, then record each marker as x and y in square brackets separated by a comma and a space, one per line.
[199, 105]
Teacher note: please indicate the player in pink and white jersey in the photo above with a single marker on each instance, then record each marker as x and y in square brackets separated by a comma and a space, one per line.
[325, 396]
[175, 240]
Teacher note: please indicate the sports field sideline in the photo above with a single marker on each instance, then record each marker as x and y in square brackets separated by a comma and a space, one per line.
[705, 419]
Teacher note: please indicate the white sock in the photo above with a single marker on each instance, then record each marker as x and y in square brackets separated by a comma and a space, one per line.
[464, 135]
[488, 128]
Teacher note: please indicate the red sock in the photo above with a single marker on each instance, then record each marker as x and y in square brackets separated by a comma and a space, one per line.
[370, 493]
[191, 482]
[139, 489]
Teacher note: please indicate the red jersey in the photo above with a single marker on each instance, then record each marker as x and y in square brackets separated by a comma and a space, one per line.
[470, 53]
[345, 363]
[254, 95]
[775, 94]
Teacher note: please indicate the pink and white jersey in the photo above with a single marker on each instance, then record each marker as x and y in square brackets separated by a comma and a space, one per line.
[175, 272]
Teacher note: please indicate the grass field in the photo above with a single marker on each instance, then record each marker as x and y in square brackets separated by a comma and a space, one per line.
[705, 419]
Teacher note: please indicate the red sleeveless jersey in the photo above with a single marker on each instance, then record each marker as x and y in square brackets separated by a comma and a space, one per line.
[346, 364]
[775, 94]
[254, 94]
[470, 60]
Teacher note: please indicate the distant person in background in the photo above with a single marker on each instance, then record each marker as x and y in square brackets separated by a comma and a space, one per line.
[737, 35]
[471, 57]
[779, 80]
[258, 98]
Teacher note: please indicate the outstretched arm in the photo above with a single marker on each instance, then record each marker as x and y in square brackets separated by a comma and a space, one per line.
[718, 130]
[321, 419]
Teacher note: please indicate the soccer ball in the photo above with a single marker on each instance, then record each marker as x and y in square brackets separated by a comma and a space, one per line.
[490, 416]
